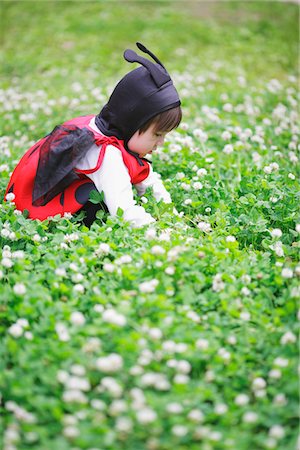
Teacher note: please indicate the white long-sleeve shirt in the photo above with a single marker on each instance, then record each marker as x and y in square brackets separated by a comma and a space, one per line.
[113, 179]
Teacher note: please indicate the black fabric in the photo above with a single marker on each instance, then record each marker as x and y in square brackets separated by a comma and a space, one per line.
[90, 210]
[138, 97]
[59, 155]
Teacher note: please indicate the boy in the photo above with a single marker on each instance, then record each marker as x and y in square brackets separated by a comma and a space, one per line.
[104, 152]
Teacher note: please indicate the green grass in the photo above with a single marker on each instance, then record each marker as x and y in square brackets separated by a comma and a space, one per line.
[221, 320]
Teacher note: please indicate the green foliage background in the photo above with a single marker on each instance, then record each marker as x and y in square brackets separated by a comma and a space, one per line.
[61, 59]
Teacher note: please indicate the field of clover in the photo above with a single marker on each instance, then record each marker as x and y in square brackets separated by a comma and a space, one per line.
[179, 335]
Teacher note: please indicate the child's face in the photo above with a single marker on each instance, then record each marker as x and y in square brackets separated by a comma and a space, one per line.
[147, 142]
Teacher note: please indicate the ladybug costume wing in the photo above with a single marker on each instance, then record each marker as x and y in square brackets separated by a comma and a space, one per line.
[58, 156]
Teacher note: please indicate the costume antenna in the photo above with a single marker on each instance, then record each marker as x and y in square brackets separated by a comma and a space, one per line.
[145, 50]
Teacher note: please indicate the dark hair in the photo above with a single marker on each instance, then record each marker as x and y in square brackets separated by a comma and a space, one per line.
[165, 121]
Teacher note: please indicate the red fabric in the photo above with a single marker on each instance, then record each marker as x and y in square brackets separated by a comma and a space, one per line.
[22, 179]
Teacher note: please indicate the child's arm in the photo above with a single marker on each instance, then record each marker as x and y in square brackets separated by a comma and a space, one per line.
[159, 191]
[114, 181]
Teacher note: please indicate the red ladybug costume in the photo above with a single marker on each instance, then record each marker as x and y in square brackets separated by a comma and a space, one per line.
[47, 181]
[40, 200]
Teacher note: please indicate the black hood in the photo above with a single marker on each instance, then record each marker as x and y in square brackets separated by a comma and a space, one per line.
[138, 97]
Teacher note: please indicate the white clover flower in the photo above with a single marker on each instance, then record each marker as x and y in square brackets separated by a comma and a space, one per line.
[291, 176]
[241, 399]
[228, 107]
[287, 273]
[228, 149]
[97, 404]
[112, 386]
[60, 272]
[218, 284]
[19, 254]
[277, 247]
[169, 346]
[179, 430]
[202, 344]
[123, 424]
[215, 436]
[76, 278]
[187, 201]
[74, 267]
[157, 250]
[5, 232]
[113, 317]
[181, 347]
[267, 169]
[277, 432]
[78, 288]
[170, 270]
[231, 340]
[276, 232]
[74, 396]
[221, 409]
[250, 417]
[245, 291]
[104, 248]
[180, 175]
[204, 226]
[124, 259]
[146, 415]
[7, 262]
[148, 286]
[174, 408]
[10, 197]
[196, 415]
[275, 373]
[181, 379]
[297, 228]
[98, 308]
[226, 135]
[28, 335]
[71, 237]
[183, 366]
[288, 338]
[71, 432]
[197, 185]
[77, 383]
[36, 238]
[281, 362]
[258, 383]
[201, 172]
[15, 330]
[19, 289]
[109, 364]
[62, 332]
[150, 233]
[201, 135]
[224, 354]
[77, 318]
[108, 267]
[245, 316]
[155, 333]
[62, 376]
[23, 323]
[165, 235]
[230, 239]
[280, 400]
